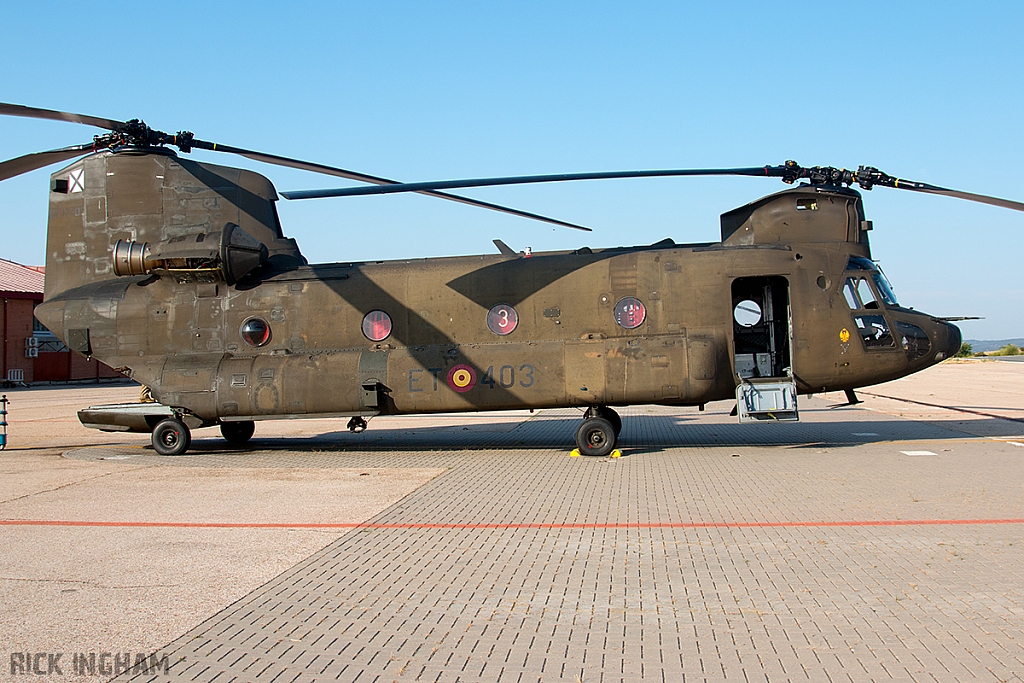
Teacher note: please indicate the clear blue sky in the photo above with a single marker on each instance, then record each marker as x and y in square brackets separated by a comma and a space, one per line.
[422, 91]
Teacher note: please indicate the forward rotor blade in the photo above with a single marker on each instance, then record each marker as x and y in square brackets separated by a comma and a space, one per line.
[30, 162]
[36, 113]
[969, 196]
[375, 180]
[866, 177]
[523, 180]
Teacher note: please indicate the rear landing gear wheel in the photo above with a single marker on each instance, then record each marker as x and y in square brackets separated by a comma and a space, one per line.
[171, 437]
[596, 436]
[237, 433]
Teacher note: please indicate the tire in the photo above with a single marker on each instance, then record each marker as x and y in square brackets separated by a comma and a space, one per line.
[608, 414]
[596, 436]
[237, 433]
[613, 417]
[171, 437]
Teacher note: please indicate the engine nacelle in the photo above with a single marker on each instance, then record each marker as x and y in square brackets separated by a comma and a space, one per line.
[229, 255]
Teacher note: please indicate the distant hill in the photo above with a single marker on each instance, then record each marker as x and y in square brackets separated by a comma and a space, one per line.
[983, 345]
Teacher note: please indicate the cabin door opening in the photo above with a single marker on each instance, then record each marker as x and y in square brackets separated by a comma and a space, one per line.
[761, 327]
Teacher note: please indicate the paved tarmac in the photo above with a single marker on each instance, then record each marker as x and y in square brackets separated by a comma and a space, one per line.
[880, 542]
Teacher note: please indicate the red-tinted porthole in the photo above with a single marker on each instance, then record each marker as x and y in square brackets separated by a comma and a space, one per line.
[255, 332]
[502, 319]
[377, 326]
[630, 312]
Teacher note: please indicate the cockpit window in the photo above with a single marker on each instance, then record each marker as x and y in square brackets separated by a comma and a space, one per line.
[915, 341]
[874, 332]
[867, 297]
[850, 292]
[884, 288]
[860, 295]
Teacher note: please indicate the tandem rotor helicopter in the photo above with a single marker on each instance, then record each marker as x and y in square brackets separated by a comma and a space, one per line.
[177, 274]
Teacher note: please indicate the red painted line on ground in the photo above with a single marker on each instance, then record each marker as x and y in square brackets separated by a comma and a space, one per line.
[514, 525]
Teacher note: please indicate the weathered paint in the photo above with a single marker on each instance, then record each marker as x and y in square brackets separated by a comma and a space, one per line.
[182, 338]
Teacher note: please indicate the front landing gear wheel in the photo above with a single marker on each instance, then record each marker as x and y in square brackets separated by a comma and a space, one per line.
[171, 437]
[596, 436]
[237, 433]
[608, 414]
[613, 417]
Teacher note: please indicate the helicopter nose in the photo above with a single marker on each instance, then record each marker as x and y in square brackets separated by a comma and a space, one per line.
[953, 340]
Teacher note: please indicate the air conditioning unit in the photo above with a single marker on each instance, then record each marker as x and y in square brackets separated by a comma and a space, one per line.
[31, 347]
[31, 342]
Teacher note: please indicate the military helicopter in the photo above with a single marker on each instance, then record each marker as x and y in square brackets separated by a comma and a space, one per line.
[178, 274]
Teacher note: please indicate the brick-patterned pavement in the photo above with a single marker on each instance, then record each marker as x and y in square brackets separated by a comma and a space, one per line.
[816, 551]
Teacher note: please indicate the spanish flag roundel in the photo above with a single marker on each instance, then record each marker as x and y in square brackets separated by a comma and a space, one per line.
[461, 378]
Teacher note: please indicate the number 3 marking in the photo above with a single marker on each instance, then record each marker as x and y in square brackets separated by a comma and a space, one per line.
[526, 381]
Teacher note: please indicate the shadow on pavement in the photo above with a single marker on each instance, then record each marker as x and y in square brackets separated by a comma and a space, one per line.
[645, 433]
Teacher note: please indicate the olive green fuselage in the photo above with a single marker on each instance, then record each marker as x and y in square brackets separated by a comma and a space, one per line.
[184, 340]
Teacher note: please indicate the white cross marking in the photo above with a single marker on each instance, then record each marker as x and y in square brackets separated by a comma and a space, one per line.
[77, 180]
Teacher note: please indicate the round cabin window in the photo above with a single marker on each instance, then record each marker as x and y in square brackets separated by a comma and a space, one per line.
[747, 313]
[377, 326]
[255, 332]
[502, 319]
[630, 312]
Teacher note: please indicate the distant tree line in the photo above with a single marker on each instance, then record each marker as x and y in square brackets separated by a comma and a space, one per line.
[966, 351]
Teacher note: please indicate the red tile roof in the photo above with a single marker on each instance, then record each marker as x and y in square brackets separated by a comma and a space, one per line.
[15, 277]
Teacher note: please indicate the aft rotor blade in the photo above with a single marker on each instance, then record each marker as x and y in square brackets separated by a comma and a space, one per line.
[53, 115]
[30, 162]
[375, 180]
[760, 171]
